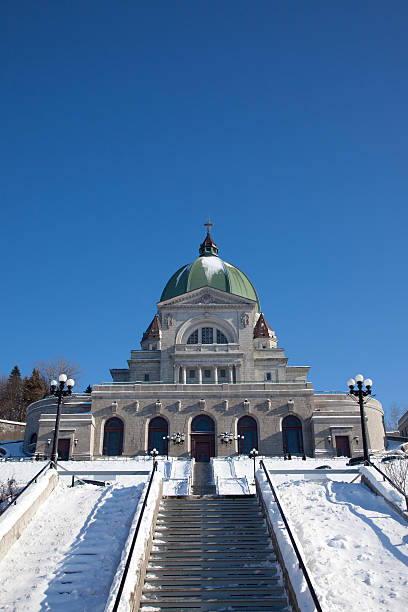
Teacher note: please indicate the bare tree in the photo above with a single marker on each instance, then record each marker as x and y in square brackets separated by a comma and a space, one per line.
[394, 414]
[397, 471]
[52, 368]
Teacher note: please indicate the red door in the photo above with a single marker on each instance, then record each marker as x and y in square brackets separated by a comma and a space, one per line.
[63, 448]
[202, 447]
[343, 446]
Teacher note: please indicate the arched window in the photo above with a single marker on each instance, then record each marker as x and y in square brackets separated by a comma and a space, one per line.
[221, 338]
[247, 428]
[113, 437]
[193, 338]
[207, 335]
[33, 439]
[158, 429]
[292, 435]
[202, 424]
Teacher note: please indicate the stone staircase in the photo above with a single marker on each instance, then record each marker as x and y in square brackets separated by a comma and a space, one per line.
[211, 554]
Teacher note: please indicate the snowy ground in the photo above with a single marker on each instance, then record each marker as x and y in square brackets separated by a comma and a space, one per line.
[355, 546]
[68, 554]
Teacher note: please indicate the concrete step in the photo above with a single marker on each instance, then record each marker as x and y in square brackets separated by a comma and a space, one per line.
[211, 604]
[163, 519]
[214, 579]
[214, 571]
[166, 557]
[184, 550]
[211, 555]
[214, 590]
[219, 536]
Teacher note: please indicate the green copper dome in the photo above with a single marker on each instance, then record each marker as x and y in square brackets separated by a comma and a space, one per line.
[209, 270]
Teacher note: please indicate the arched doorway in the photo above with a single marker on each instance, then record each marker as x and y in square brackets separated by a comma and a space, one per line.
[158, 429]
[247, 428]
[292, 435]
[113, 437]
[202, 438]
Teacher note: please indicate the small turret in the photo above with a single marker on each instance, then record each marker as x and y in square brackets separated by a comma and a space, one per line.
[151, 340]
[264, 336]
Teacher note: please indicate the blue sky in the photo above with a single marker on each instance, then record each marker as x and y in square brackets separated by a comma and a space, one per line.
[124, 125]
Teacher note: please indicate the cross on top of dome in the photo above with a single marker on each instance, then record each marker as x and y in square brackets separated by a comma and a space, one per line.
[208, 247]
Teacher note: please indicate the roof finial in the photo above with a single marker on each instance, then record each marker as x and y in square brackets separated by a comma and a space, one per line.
[208, 247]
[208, 225]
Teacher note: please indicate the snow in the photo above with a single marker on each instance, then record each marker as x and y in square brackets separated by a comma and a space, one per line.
[355, 547]
[139, 550]
[212, 265]
[187, 267]
[10, 516]
[232, 486]
[387, 490]
[67, 556]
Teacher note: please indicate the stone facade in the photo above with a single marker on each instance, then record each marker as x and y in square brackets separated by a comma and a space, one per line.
[208, 352]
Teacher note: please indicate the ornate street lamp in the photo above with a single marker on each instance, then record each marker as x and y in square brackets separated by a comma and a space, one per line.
[253, 455]
[178, 438]
[361, 394]
[153, 453]
[228, 438]
[59, 391]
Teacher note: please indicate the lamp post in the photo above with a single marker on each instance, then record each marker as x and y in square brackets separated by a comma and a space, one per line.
[153, 453]
[361, 394]
[178, 438]
[166, 441]
[59, 391]
[253, 455]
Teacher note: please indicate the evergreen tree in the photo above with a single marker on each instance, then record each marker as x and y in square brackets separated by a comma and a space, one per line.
[33, 388]
[88, 389]
[11, 400]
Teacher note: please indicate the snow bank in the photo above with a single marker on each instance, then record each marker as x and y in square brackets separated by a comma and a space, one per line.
[232, 486]
[287, 552]
[384, 488]
[354, 545]
[14, 520]
[141, 550]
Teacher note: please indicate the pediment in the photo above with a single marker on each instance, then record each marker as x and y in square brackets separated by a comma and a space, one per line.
[208, 296]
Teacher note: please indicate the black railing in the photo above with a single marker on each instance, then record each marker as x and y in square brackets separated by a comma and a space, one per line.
[292, 539]
[34, 479]
[388, 479]
[132, 547]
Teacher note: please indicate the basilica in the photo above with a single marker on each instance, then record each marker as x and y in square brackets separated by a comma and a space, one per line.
[209, 380]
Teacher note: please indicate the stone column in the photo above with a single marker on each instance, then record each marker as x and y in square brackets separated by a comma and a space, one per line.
[176, 373]
[238, 372]
[184, 374]
[216, 375]
[200, 375]
[230, 374]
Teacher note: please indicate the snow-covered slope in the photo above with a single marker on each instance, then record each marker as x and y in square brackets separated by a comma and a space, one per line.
[68, 554]
[354, 545]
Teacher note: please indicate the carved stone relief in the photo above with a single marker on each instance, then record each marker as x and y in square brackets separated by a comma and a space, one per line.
[244, 319]
[169, 320]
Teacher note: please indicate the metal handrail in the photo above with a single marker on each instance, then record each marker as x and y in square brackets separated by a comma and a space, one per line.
[388, 479]
[292, 539]
[132, 546]
[34, 479]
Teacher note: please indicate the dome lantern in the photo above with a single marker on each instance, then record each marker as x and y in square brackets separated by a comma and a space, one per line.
[208, 247]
